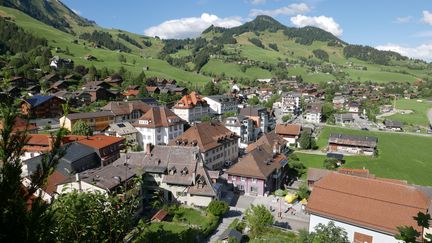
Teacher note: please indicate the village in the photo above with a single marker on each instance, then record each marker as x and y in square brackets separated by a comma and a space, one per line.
[225, 147]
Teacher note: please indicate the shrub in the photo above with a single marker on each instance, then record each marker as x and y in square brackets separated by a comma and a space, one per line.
[280, 193]
[218, 208]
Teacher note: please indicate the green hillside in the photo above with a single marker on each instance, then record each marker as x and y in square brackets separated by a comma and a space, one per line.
[261, 48]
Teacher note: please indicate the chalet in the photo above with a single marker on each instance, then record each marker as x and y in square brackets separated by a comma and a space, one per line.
[179, 173]
[13, 91]
[50, 79]
[40, 106]
[75, 99]
[216, 143]
[34, 89]
[352, 144]
[131, 94]
[368, 209]
[61, 85]
[57, 62]
[126, 111]
[260, 172]
[98, 120]
[344, 118]
[100, 93]
[289, 132]
[191, 107]
[393, 125]
[93, 84]
[153, 90]
[72, 77]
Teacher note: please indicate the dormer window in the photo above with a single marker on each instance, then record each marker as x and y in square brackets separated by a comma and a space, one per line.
[201, 182]
[172, 170]
[184, 171]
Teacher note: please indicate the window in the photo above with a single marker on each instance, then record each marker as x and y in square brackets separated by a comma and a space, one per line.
[253, 189]
[241, 187]
[233, 178]
[254, 180]
[242, 178]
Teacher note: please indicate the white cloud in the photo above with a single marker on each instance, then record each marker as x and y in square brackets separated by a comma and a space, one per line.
[423, 51]
[256, 2]
[403, 20]
[190, 27]
[76, 11]
[292, 9]
[427, 17]
[323, 22]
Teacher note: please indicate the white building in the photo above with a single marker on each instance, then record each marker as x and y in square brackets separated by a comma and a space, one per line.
[313, 113]
[368, 209]
[191, 107]
[220, 104]
[158, 126]
[261, 118]
[291, 103]
[243, 127]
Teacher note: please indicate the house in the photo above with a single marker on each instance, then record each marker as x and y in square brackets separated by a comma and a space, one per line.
[229, 234]
[21, 125]
[153, 90]
[98, 121]
[244, 128]
[105, 179]
[126, 111]
[217, 144]
[131, 94]
[291, 103]
[344, 118]
[75, 99]
[61, 85]
[393, 125]
[260, 172]
[260, 116]
[368, 209]
[36, 145]
[42, 106]
[48, 191]
[352, 144]
[220, 104]
[95, 84]
[49, 79]
[178, 172]
[100, 93]
[314, 175]
[124, 130]
[289, 132]
[312, 113]
[339, 102]
[269, 139]
[107, 147]
[354, 107]
[21, 82]
[157, 126]
[77, 158]
[34, 89]
[191, 107]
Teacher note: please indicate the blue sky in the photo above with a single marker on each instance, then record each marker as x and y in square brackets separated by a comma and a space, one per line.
[404, 25]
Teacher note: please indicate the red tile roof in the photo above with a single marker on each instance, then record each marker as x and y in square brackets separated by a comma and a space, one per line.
[100, 141]
[288, 129]
[190, 101]
[367, 202]
[159, 117]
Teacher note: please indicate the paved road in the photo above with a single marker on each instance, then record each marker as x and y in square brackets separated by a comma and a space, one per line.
[226, 221]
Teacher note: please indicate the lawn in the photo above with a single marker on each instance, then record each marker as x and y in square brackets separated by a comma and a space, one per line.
[418, 117]
[401, 156]
[276, 235]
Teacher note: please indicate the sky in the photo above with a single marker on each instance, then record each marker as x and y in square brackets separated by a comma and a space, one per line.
[404, 26]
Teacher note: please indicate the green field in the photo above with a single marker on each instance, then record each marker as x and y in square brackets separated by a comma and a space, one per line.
[419, 115]
[405, 157]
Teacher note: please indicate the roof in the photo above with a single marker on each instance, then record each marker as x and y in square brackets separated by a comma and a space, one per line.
[37, 100]
[221, 98]
[268, 139]
[258, 163]
[100, 141]
[315, 174]
[315, 107]
[108, 177]
[38, 142]
[371, 203]
[123, 128]
[252, 111]
[205, 135]
[53, 180]
[158, 117]
[190, 101]
[335, 155]
[87, 115]
[288, 129]
[231, 233]
[21, 125]
[126, 107]
[356, 172]
[160, 215]
[396, 124]
[344, 116]
[353, 140]
[132, 92]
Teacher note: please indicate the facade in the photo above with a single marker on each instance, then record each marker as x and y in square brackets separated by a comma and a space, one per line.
[126, 111]
[178, 172]
[260, 116]
[98, 120]
[354, 107]
[107, 147]
[220, 104]
[260, 172]
[344, 118]
[40, 106]
[158, 126]
[289, 132]
[368, 209]
[217, 144]
[352, 144]
[244, 128]
[339, 102]
[291, 103]
[191, 107]
[312, 113]
[393, 125]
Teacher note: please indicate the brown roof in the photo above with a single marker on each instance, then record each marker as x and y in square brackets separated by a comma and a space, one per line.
[159, 117]
[53, 180]
[288, 129]
[268, 139]
[353, 140]
[206, 136]
[190, 101]
[160, 215]
[151, 88]
[367, 202]
[258, 163]
[100, 141]
[132, 93]
[126, 107]
[21, 125]
[315, 174]
[356, 172]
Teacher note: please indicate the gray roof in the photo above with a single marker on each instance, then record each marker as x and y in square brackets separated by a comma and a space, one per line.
[123, 128]
[221, 98]
[353, 140]
[228, 233]
[344, 116]
[252, 110]
[108, 177]
[86, 115]
[396, 124]
[77, 158]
